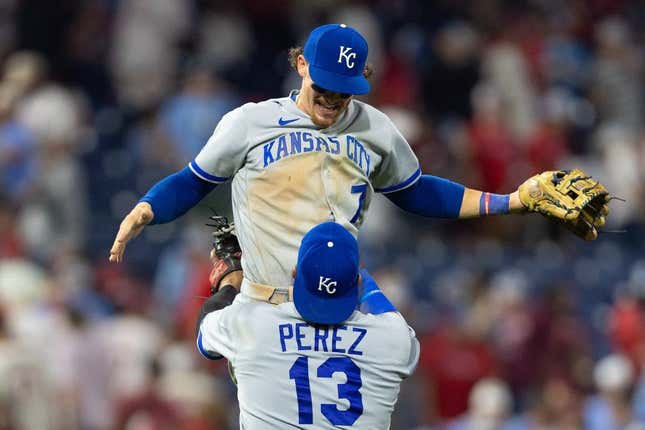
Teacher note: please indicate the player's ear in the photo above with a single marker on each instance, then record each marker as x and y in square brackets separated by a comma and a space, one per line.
[302, 66]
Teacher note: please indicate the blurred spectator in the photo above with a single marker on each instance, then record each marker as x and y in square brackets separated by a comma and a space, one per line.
[621, 168]
[618, 87]
[147, 408]
[491, 143]
[189, 116]
[453, 73]
[22, 283]
[149, 153]
[145, 49]
[11, 244]
[24, 70]
[54, 210]
[611, 409]
[555, 406]
[560, 342]
[23, 390]
[489, 406]
[229, 24]
[504, 67]
[547, 142]
[129, 339]
[627, 318]
[18, 162]
[453, 358]
[512, 331]
[565, 61]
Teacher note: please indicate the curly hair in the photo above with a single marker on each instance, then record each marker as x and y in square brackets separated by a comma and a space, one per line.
[294, 52]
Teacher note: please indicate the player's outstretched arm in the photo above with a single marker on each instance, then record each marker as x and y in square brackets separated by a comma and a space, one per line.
[436, 197]
[167, 200]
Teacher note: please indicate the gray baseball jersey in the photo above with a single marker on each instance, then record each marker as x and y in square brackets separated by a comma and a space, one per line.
[292, 375]
[289, 175]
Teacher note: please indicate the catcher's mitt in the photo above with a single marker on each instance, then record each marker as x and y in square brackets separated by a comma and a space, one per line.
[570, 196]
[226, 254]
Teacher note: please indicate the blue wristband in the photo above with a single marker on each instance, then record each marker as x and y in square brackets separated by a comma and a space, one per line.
[494, 204]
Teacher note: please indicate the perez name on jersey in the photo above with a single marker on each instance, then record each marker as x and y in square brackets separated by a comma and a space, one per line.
[303, 337]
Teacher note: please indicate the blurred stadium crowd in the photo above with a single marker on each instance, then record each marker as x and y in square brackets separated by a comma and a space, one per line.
[522, 325]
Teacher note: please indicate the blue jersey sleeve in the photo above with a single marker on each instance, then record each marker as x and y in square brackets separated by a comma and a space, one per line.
[174, 195]
[430, 196]
[372, 300]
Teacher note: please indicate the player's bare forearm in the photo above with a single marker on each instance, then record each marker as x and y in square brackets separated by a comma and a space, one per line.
[130, 227]
[515, 204]
[477, 203]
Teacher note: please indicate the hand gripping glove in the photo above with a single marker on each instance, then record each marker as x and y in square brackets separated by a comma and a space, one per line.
[226, 254]
[569, 196]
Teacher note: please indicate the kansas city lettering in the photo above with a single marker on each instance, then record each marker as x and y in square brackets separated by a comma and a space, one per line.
[299, 142]
[303, 337]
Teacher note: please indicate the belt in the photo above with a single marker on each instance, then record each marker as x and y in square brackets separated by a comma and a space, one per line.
[267, 293]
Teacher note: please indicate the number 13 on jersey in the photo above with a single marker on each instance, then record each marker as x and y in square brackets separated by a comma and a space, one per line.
[349, 390]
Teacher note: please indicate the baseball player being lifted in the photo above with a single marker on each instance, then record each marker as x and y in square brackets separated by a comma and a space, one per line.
[320, 155]
[316, 362]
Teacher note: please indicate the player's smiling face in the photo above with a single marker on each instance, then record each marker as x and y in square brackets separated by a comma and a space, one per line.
[324, 107]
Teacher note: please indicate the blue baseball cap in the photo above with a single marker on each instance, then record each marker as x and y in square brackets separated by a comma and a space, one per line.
[336, 55]
[325, 290]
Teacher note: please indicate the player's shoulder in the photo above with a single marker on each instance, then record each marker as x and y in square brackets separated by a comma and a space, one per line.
[372, 121]
[385, 320]
[391, 332]
[373, 113]
[268, 106]
[246, 310]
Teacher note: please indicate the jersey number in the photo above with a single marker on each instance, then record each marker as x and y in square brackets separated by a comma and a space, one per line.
[349, 390]
[356, 189]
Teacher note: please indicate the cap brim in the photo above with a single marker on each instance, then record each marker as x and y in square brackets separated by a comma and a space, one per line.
[319, 310]
[355, 85]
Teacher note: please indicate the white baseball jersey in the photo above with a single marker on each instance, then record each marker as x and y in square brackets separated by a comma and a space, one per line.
[289, 176]
[291, 375]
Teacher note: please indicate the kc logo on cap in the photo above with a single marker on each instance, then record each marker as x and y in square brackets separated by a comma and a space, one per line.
[349, 58]
[328, 283]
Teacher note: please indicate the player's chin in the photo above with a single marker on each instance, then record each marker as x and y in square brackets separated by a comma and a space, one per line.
[326, 115]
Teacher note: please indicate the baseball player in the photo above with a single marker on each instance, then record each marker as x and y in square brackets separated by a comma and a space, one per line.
[315, 362]
[320, 155]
